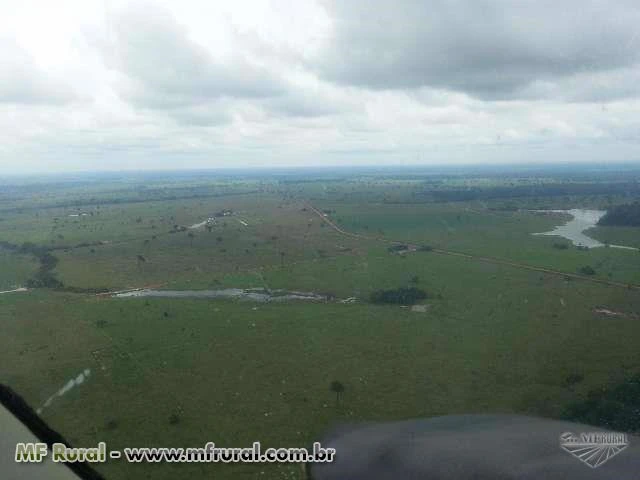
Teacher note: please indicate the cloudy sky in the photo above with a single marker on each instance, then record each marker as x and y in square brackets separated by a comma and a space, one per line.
[111, 84]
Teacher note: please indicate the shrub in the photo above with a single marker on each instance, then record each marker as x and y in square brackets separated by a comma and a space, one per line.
[573, 378]
[614, 407]
[587, 270]
[401, 296]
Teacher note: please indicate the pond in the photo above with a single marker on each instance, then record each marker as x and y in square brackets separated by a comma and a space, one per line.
[253, 294]
[574, 229]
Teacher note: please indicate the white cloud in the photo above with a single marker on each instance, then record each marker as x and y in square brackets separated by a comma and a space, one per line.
[95, 84]
[22, 81]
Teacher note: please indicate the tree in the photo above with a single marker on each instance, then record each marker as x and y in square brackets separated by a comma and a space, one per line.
[587, 270]
[337, 388]
[401, 296]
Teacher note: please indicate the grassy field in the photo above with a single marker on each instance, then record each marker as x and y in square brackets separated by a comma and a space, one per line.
[474, 229]
[15, 269]
[235, 372]
[617, 235]
[181, 372]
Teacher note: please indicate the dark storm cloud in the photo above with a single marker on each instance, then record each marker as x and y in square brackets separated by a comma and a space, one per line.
[489, 49]
[22, 82]
[169, 70]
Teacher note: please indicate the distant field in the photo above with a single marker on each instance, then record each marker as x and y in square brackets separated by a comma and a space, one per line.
[470, 228]
[263, 233]
[168, 372]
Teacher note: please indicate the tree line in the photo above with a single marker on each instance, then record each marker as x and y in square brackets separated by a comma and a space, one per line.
[528, 191]
[626, 215]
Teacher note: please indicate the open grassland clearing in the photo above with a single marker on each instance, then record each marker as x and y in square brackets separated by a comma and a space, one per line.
[476, 230]
[276, 234]
[242, 371]
[141, 244]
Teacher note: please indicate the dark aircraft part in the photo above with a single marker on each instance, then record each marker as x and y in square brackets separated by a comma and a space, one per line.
[478, 447]
[20, 423]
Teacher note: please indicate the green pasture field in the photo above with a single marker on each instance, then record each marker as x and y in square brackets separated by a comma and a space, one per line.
[473, 229]
[262, 232]
[629, 236]
[235, 372]
[181, 372]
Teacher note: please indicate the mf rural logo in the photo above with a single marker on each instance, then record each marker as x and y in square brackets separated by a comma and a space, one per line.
[594, 448]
